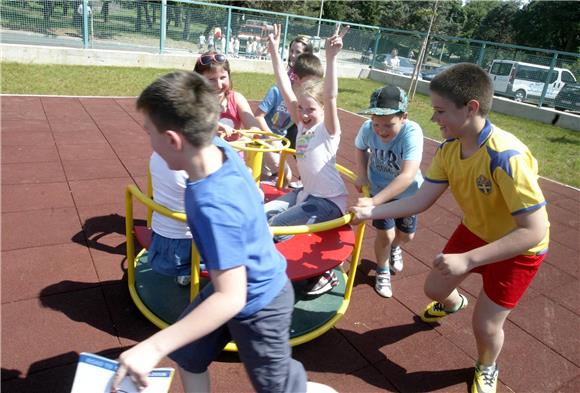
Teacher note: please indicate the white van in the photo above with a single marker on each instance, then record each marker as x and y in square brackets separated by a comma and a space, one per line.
[525, 81]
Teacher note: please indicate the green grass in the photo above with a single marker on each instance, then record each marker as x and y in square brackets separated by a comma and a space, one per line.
[29, 16]
[555, 148]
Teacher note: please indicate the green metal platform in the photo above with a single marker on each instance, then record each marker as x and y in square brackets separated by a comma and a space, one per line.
[166, 299]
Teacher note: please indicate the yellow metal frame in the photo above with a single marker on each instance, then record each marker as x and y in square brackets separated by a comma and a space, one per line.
[254, 149]
[134, 192]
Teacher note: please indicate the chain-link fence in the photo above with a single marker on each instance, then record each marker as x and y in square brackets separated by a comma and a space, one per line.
[525, 74]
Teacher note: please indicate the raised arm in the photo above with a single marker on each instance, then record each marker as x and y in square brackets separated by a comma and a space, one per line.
[333, 47]
[282, 79]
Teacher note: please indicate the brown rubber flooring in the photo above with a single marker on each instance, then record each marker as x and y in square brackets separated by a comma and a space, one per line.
[65, 165]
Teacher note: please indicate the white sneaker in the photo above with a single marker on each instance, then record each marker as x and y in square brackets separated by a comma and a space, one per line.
[315, 387]
[295, 184]
[183, 280]
[383, 283]
[396, 259]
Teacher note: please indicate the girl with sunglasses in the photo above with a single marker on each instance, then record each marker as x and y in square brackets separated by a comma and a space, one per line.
[236, 112]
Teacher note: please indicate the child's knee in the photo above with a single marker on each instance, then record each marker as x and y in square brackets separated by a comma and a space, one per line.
[485, 325]
[405, 237]
[485, 328]
[385, 237]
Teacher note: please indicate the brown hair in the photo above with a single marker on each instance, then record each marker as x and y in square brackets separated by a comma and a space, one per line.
[315, 89]
[212, 66]
[462, 83]
[183, 102]
[308, 64]
[301, 39]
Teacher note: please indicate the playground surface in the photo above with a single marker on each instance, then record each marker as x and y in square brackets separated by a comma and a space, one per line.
[66, 162]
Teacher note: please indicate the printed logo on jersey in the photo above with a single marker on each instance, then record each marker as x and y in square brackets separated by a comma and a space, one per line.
[302, 142]
[387, 161]
[483, 184]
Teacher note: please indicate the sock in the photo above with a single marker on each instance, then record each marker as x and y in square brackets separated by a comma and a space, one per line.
[482, 368]
[456, 307]
[382, 270]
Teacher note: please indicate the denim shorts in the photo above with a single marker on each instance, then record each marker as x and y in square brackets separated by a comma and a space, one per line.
[263, 345]
[285, 211]
[403, 224]
[170, 257]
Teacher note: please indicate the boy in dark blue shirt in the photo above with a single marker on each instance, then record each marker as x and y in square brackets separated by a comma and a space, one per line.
[250, 298]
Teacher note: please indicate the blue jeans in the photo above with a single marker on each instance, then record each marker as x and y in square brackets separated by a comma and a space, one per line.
[285, 211]
[170, 257]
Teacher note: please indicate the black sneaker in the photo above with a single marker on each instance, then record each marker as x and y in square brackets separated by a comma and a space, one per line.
[322, 284]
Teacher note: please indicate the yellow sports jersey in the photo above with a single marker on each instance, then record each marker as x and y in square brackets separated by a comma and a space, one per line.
[497, 182]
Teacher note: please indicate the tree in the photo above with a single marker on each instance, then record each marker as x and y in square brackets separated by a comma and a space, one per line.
[498, 24]
[550, 24]
[475, 12]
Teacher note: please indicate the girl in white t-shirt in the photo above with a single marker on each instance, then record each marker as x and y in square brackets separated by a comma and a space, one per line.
[170, 250]
[314, 110]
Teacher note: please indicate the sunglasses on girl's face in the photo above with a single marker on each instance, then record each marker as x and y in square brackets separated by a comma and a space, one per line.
[217, 58]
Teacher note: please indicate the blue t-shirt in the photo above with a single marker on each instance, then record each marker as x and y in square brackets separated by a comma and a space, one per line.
[277, 116]
[386, 159]
[229, 227]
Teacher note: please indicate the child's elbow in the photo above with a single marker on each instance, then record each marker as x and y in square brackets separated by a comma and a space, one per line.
[539, 232]
[238, 303]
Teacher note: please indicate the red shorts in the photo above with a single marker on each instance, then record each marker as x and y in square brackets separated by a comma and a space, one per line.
[504, 282]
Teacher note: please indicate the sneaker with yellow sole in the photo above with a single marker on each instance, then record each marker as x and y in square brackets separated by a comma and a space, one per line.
[485, 379]
[435, 311]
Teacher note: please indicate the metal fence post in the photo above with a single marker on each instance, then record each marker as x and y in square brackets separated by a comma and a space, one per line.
[481, 55]
[85, 23]
[376, 50]
[284, 39]
[547, 81]
[228, 29]
[163, 26]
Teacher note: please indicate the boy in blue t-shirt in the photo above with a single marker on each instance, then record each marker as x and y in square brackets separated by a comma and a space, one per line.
[250, 298]
[389, 148]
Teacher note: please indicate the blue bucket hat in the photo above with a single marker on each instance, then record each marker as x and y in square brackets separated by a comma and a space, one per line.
[387, 100]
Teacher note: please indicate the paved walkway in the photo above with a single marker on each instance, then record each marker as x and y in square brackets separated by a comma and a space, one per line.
[65, 165]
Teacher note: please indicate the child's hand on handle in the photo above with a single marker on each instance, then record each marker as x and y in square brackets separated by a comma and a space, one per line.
[360, 213]
[334, 42]
[225, 129]
[451, 264]
[365, 202]
[136, 362]
[274, 40]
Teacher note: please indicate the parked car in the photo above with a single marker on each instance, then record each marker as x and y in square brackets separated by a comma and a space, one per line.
[430, 74]
[253, 30]
[525, 81]
[568, 98]
[406, 65]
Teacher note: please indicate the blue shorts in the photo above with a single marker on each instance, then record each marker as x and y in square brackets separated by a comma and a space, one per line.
[263, 345]
[403, 224]
[170, 257]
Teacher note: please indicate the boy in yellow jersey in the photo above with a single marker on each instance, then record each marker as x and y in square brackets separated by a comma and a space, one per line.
[504, 231]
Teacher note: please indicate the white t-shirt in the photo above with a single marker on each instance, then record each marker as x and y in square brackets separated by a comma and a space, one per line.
[168, 190]
[316, 159]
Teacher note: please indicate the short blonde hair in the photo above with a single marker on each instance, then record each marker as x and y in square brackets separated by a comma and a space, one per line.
[314, 88]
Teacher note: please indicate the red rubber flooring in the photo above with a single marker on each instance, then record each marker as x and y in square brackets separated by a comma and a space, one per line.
[65, 165]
